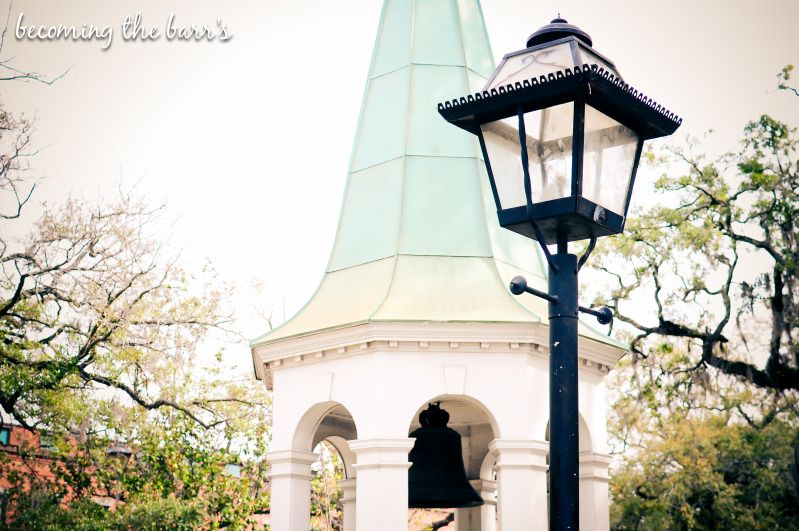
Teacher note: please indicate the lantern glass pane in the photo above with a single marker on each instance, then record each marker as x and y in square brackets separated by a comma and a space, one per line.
[589, 57]
[502, 144]
[549, 151]
[553, 154]
[532, 64]
[608, 159]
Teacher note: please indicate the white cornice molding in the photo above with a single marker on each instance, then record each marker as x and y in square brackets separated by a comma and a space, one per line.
[526, 446]
[381, 453]
[486, 338]
[519, 454]
[384, 446]
[595, 466]
[294, 464]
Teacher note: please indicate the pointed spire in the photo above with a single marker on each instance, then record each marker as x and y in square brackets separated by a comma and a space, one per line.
[418, 237]
[407, 167]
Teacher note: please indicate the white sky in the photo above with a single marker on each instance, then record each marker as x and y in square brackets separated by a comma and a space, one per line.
[249, 141]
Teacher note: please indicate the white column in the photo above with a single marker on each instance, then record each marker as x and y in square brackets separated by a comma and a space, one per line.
[290, 479]
[488, 511]
[467, 519]
[594, 500]
[521, 484]
[348, 503]
[382, 483]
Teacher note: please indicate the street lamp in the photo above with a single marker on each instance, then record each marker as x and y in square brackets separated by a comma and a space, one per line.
[561, 134]
[122, 455]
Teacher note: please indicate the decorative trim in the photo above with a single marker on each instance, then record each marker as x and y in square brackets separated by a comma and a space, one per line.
[596, 459]
[381, 453]
[487, 489]
[483, 484]
[587, 72]
[472, 338]
[293, 464]
[522, 466]
[293, 475]
[291, 456]
[362, 446]
[348, 490]
[520, 454]
[378, 466]
[519, 446]
[594, 466]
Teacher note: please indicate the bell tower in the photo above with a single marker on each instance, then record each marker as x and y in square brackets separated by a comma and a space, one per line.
[414, 309]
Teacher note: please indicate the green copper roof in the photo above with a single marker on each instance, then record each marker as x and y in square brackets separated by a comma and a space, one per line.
[418, 238]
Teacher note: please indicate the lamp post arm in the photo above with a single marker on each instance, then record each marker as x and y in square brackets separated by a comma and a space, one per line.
[604, 315]
[519, 285]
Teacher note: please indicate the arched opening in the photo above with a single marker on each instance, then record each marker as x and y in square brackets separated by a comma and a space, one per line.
[488, 471]
[326, 429]
[477, 428]
[321, 421]
[326, 490]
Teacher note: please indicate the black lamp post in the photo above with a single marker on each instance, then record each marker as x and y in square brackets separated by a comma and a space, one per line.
[561, 135]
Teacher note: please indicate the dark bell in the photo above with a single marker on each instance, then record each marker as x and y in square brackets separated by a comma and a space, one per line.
[437, 478]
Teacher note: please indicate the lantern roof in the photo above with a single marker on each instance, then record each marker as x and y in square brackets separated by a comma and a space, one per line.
[418, 237]
[600, 87]
[557, 29]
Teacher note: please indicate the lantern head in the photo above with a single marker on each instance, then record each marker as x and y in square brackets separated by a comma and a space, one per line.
[561, 134]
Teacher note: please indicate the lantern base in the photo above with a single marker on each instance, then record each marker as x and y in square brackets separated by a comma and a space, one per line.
[576, 218]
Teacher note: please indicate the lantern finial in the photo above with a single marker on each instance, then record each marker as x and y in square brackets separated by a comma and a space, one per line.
[558, 28]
